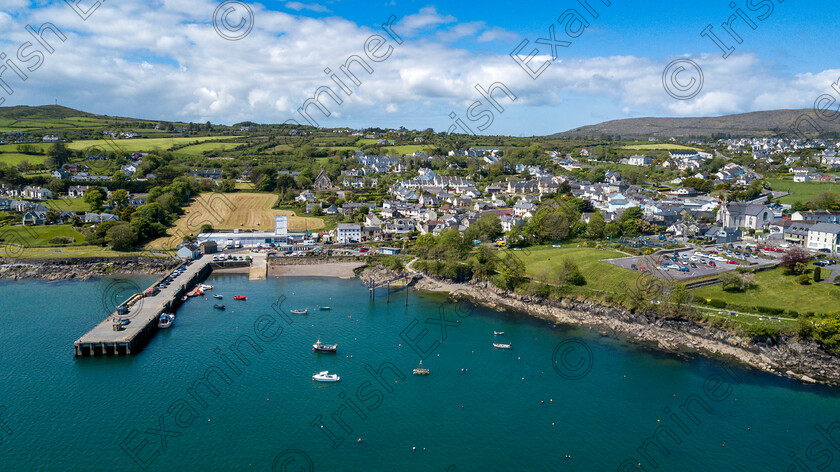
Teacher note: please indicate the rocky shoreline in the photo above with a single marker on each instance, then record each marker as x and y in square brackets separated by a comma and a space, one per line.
[83, 268]
[785, 356]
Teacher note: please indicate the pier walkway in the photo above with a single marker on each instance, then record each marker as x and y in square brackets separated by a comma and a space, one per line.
[144, 312]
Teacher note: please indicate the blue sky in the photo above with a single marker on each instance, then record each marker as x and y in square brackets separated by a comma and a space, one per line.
[165, 60]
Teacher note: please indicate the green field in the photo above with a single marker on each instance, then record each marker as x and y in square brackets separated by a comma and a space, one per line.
[801, 191]
[660, 147]
[14, 158]
[777, 290]
[140, 145]
[600, 276]
[199, 149]
[70, 252]
[38, 235]
[67, 204]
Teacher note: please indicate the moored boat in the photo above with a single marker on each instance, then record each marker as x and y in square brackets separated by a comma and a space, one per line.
[325, 308]
[166, 320]
[321, 347]
[219, 307]
[300, 312]
[218, 295]
[420, 370]
[501, 346]
[240, 297]
[325, 376]
[498, 333]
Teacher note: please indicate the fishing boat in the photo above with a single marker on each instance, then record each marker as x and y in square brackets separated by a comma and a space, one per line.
[325, 308]
[498, 333]
[199, 291]
[420, 370]
[166, 320]
[205, 287]
[218, 295]
[219, 307]
[300, 312]
[321, 347]
[325, 376]
[501, 346]
[240, 297]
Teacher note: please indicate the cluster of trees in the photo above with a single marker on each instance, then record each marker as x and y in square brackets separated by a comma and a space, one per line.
[146, 222]
[824, 201]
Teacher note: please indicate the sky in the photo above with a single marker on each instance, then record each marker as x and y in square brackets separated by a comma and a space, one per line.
[490, 67]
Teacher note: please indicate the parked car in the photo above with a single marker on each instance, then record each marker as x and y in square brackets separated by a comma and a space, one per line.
[693, 265]
[712, 263]
[733, 262]
[683, 269]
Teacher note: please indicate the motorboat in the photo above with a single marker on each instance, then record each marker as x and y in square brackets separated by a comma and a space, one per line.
[219, 307]
[325, 376]
[498, 333]
[501, 346]
[240, 297]
[420, 370]
[300, 312]
[218, 295]
[325, 308]
[166, 320]
[321, 347]
[205, 287]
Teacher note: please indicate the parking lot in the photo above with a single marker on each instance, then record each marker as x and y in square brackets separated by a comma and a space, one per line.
[700, 261]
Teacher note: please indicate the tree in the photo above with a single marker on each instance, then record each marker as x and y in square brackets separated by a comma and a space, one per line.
[817, 274]
[125, 215]
[632, 213]
[612, 229]
[596, 226]
[52, 216]
[206, 228]
[94, 198]
[569, 273]
[121, 237]
[318, 211]
[803, 279]
[227, 185]
[487, 228]
[731, 282]
[58, 154]
[120, 197]
[511, 272]
[303, 182]
[794, 259]
[484, 266]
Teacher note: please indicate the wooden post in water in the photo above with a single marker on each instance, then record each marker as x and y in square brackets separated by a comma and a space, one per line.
[388, 288]
[372, 290]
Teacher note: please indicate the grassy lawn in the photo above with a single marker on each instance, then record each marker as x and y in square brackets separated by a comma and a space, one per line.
[777, 290]
[753, 321]
[14, 158]
[38, 235]
[141, 145]
[801, 191]
[600, 276]
[198, 149]
[67, 204]
[660, 147]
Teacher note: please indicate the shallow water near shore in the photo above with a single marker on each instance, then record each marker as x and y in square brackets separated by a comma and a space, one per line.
[559, 391]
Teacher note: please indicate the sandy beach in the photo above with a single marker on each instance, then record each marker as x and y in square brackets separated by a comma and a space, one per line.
[342, 270]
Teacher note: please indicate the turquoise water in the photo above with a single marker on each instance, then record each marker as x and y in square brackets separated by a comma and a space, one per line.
[508, 410]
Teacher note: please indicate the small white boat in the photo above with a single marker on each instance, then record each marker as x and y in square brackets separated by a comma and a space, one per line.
[205, 287]
[501, 346]
[218, 295]
[325, 308]
[300, 312]
[498, 333]
[166, 320]
[321, 347]
[420, 370]
[325, 376]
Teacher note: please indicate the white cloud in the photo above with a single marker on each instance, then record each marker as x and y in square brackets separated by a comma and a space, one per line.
[298, 6]
[174, 65]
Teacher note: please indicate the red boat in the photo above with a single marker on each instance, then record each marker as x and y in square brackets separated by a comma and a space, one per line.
[240, 297]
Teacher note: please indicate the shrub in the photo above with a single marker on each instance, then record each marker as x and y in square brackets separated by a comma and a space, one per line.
[62, 240]
[817, 274]
[769, 310]
[837, 280]
[717, 303]
[803, 279]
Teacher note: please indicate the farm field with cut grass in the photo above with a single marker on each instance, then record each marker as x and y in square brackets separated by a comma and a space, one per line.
[198, 149]
[801, 191]
[778, 290]
[14, 158]
[75, 251]
[67, 204]
[243, 211]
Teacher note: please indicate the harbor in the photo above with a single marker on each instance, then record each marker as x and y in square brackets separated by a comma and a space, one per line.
[143, 310]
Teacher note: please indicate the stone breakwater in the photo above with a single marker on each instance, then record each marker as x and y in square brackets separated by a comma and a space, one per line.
[83, 268]
[785, 356]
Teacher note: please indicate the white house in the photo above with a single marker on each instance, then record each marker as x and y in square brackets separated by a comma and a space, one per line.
[348, 233]
[823, 236]
[639, 161]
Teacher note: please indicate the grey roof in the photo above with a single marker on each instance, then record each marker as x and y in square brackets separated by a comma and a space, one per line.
[826, 228]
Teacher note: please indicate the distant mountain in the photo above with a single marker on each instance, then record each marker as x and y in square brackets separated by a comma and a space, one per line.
[760, 123]
[42, 112]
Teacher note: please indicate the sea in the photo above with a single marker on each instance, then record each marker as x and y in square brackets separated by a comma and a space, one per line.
[232, 390]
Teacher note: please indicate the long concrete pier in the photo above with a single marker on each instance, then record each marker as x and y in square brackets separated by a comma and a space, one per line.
[144, 312]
